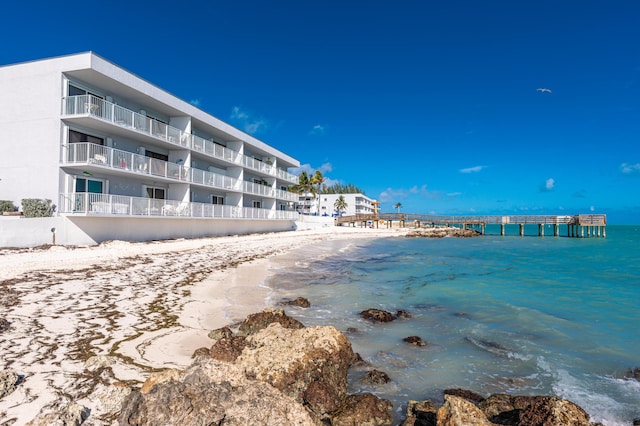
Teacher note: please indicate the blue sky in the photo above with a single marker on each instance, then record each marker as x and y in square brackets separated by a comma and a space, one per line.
[432, 104]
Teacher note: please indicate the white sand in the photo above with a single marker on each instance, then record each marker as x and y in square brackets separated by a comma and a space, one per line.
[145, 305]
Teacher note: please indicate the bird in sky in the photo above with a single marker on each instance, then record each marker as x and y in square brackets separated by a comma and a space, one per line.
[543, 89]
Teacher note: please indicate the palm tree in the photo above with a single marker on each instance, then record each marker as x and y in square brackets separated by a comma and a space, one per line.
[398, 206]
[340, 205]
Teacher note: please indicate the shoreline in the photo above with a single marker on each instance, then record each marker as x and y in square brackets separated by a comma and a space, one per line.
[136, 307]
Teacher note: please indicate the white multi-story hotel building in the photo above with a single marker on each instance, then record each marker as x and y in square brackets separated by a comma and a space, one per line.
[324, 204]
[124, 159]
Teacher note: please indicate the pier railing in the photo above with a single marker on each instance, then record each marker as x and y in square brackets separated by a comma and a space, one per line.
[576, 224]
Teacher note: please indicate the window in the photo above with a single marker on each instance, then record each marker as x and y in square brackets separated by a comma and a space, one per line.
[78, 91]
[89, 185]
[75, 137]
[257, 204]
[155, 193]
[216, 199]
[156, 155]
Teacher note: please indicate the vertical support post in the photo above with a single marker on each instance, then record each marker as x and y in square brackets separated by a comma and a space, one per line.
[604, 232]
[522, 229]
[502, 229]
[581, 231]
[482, 229]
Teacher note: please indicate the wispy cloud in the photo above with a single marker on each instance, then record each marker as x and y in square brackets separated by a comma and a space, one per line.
[630, 169]
[318, 129]
[474, 169]
[310, 170]
[195, 102]
[248, 121]
[397, 194]
[548, 185]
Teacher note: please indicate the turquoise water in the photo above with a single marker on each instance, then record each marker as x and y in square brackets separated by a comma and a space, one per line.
[522, 315]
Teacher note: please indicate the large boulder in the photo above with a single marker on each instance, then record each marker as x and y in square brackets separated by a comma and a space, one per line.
[533, 411]
[363, 410]
[420, 413]
[292, 359]
[213, 392]
[458, 411]
[377, 315]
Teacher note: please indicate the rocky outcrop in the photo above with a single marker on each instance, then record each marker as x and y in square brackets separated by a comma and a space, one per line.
[4, 325]
[459, 411]
[533, 410]
[8, 382]
[376, 377]
[213, 392]
[466, 394]
[377, 315]
[65, 415]
[462, 407]
[219, 333]
[633, 374]
[361, 410]
[271, 374]
[420, 413]
[290, 360]
[415, 340]
[442, 232]
[260, 320]
[300, 302]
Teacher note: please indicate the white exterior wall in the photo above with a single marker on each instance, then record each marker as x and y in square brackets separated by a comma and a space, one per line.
[34, 155]
[356, 204]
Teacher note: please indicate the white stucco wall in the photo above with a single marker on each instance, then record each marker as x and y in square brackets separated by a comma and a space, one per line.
[32, 232]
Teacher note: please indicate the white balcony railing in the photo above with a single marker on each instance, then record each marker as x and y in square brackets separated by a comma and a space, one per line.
[258, 189]
[103, 156]
[286, 195]
[115, 114]
[86, 203]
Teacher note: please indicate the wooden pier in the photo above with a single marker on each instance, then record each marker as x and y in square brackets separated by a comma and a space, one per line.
[578, 226]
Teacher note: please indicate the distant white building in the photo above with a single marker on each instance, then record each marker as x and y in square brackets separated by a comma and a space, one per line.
[324, 204]
[124, 159]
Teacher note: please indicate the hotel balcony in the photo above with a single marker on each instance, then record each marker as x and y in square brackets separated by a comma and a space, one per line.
[102, 157]
[90, 204]
[93, 107]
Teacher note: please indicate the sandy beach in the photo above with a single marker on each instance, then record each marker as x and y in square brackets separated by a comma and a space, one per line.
[84, 318]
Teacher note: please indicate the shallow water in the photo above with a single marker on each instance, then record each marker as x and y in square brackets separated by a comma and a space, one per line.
[522, 315]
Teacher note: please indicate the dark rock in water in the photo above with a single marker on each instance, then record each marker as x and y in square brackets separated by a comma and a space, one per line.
[636, 421]
[489, 346]
[442, 232]
[259, 321]
[462, 315]
[377, 315]
[301, 302]
[376, 377]
[228, 349]
[364, 409]
[219, 333]
[403, 314]
[420, 413]
[415, 340]
[352, 330]
[357, 361]
[466, 394]
[4, 325]
[633, 374]
[533, 410]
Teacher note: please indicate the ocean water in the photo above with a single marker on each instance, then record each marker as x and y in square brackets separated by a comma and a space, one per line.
[523, 315]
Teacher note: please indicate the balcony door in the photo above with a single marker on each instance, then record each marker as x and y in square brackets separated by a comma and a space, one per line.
[93, 186]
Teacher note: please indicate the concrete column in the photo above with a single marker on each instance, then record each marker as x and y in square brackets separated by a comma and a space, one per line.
[502, 229]
[522, 230]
